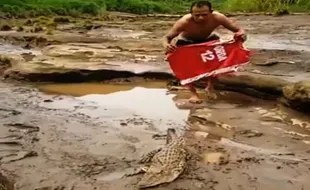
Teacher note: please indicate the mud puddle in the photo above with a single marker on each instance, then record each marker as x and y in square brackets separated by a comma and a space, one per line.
[139, 100]
[82, 89]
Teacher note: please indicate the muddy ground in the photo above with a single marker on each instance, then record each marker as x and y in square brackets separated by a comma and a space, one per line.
[88, 135]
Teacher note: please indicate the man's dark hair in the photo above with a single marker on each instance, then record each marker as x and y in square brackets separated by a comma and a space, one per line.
[200, 4]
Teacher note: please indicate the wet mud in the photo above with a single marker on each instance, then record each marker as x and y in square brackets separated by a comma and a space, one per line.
[91, 100]
[51, 140]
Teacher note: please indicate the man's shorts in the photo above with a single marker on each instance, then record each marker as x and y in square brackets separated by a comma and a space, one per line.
[184, 41]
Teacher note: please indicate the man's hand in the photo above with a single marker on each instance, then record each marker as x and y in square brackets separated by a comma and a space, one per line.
[241, 34]
[170, 48]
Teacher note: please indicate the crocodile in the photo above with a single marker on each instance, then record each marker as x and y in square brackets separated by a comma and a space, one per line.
[166, 163]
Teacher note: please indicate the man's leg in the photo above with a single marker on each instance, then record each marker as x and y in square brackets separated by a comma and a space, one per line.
[194, 97]
[210, 88]
[210, 80]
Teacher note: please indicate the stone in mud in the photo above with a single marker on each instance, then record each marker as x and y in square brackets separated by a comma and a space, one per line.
[61, 20]
[200, 120]
[297, 95]
[5, 27]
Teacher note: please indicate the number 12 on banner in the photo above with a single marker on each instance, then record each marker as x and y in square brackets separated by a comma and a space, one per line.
[219, 52]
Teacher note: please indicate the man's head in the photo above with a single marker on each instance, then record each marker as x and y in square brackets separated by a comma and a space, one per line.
[200, 10]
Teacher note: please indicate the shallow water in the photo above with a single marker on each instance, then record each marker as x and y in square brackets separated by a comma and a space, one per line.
[148, 100]
[148, 105]
[153, 104]
[82, 89]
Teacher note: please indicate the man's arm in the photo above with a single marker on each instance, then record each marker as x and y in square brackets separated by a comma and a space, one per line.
[228, 24]
[173, 32]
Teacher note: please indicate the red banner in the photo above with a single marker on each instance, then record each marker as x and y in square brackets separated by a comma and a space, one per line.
[192, 62]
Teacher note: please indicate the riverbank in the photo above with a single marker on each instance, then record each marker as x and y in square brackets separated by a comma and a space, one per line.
[84, 100]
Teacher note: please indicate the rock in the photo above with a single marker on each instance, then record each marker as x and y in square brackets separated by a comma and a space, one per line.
[58, 69]
[28, 22]
[297, 95]
[37, 29]
[20, 29]
[265, 84]
[281, 12]
[61, 20]
[264, 87]
[5, 27]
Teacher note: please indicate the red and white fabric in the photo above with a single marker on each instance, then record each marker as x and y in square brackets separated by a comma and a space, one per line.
[190, 63]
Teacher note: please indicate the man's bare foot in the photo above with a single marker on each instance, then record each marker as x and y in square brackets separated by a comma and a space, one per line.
[210, 89]
[195, 99]
[211, 95]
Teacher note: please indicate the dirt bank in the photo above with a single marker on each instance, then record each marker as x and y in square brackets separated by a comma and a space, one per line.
[89, 135]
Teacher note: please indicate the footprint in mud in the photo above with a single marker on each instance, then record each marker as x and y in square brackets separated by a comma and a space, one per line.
[272, 115]
[302, 124]
[52, 188]
[18, 156]
[12, 147]
[276, 115]
[129, 138]
[201, 121]
[12, 140]
[159, 136]
[23, 127]
[218, 158]
[5, 113]
[250, 133]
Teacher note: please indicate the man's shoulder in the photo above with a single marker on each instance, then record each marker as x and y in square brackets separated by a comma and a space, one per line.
[187, 16]
[218, 15]
[184, 20]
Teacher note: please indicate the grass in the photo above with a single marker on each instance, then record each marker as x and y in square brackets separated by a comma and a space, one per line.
[31, 8]
[266, 5]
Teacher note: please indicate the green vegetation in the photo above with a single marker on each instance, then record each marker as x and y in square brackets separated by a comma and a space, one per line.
[30, 8]
[267, 5]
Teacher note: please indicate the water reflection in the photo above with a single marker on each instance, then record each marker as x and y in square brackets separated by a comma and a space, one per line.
[82, 89]
[153, 104]
[148, 100]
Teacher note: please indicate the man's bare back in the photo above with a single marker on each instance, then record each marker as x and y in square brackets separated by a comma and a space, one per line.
[197, 27]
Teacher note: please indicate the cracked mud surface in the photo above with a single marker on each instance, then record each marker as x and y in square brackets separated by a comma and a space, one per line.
[93, 137]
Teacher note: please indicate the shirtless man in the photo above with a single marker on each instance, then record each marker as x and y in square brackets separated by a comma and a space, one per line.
[198, 27]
